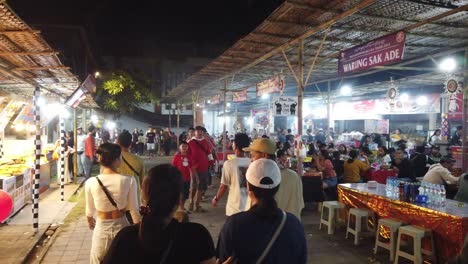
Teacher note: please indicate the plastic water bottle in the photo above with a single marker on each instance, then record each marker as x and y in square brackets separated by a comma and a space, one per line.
[438, 195]
[443, 194]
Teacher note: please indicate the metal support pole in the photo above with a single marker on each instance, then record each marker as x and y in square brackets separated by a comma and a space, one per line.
[1, 142]
[170, 115]
[299, 103]
[465, 113]
[300, 87]
[62, 157]
[178, 123]
[329, 108]
[224, 120]
[37, 160]
[75, 155]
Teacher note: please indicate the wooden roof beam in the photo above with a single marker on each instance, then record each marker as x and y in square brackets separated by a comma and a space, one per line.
[290, 24]
[43, 53]
[6, 32]
[259, 43]
[237, 57]
[274, 35]
[41, 68]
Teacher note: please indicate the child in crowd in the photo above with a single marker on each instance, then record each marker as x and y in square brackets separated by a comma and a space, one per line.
[183, 162]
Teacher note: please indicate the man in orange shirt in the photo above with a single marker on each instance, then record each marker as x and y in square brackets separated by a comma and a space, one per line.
[89, 151]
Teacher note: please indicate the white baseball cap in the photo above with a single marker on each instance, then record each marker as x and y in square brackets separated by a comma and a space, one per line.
[263, 169]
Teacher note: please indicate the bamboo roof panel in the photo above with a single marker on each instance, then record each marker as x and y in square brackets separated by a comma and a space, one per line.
[26, 61]
[261, 49]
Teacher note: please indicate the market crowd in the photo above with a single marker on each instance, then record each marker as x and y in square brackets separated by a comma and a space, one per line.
[142, 216]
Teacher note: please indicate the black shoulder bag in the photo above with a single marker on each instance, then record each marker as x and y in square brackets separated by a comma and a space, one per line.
[108, 194]
[130, 166]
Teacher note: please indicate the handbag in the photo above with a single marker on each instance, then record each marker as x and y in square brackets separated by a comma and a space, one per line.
[273, 239]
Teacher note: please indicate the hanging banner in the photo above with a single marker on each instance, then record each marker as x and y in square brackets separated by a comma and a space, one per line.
[272, 85]
[239, 96]
[26, 116]
[455, 106]
[284, 106]
[381, 51]
[215, 99]
[376, 126]
[368, 109]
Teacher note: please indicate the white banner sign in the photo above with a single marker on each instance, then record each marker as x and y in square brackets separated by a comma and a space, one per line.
[284, 106]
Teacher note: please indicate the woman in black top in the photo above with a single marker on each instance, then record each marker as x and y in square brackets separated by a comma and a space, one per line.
[159, 238]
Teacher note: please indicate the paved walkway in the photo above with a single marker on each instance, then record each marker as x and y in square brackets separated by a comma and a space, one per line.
[17, 237]
[73, 242]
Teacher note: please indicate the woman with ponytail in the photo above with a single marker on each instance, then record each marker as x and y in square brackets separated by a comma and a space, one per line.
[264, 233]
[353, 168]
[158, 238]
[108, 196]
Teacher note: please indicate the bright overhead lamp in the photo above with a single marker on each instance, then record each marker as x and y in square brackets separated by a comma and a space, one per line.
[448, 65]
[204, 111]
[209, 101]
[346, 90]
[404, 97]
[265, 96]
[228, 104]
[422, 100]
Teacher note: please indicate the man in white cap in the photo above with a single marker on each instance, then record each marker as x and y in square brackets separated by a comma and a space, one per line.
[289, 196]
[264, 233]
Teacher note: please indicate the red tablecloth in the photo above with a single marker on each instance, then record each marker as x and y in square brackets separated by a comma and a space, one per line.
[380, 176]
[449, 225]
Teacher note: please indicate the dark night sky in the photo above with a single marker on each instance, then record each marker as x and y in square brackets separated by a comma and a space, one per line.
[117, 26]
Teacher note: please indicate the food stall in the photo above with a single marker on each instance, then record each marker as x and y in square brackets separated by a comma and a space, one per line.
[17, 130]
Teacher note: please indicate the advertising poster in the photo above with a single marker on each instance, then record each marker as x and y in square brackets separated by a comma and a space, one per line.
[284, 106]
[269, 86]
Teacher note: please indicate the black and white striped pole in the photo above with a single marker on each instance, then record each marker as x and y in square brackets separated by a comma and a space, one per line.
[37, 159]
[62, 157]
[2, 135]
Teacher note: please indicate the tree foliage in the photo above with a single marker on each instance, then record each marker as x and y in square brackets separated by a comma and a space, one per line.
[121, 92]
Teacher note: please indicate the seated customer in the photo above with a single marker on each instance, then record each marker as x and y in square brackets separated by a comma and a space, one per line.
[462, 194]
[402, 166]
[353, 168]
[435, 155]
[440, 173]
[338, 164]
[324, 165]
[419, 162]
[382, 157]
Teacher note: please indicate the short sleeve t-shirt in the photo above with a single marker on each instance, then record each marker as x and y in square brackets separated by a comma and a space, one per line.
[234, 177]
[183, 163]
[245, 235]
[150, 137]
[192, 243]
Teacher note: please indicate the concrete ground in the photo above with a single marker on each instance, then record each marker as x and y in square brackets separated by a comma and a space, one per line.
[72, 242]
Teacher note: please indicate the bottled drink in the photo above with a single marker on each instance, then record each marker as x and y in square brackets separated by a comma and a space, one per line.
[444, 195]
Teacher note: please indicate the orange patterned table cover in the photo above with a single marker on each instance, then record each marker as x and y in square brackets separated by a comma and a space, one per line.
[449, 223]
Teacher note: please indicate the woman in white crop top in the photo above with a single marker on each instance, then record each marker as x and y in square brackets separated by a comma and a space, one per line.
[106, 205]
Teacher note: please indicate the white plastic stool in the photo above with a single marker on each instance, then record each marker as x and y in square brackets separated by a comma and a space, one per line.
[393, 225]
[330, 222]
[359, 213]
[417, 233]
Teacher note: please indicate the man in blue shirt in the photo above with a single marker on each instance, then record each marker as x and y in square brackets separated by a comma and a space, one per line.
[264, 233]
